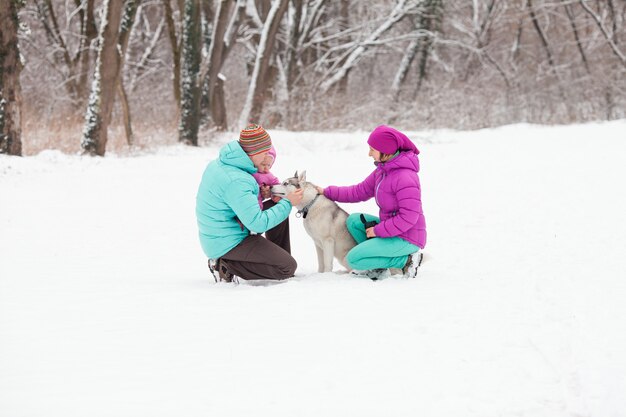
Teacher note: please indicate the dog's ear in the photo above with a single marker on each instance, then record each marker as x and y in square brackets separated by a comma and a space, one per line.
[295, 175]
[302, 176]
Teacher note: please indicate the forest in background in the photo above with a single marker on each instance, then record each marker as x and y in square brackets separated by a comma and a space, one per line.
[92, 75]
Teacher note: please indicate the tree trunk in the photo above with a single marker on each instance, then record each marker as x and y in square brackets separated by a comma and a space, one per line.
[344, 24]
[216, 54]
[106, 75]
[403, 69]
[572, 21]
[128, 125]
[292, 47]
[424, 26]
[218, 106]
[128, 20]
[431, 22]
[542, 36]
[10, 89]
[89, 34]
[258, 84]
[171, 29]
[228, 16]
[190, 76]
[207, 20]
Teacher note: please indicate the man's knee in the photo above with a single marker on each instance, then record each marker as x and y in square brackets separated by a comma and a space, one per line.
[288, 267]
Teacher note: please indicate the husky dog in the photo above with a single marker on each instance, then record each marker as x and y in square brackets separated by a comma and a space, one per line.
[323, 219]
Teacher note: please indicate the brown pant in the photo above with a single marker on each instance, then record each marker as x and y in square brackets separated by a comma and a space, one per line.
[280, 233]
[258, 258]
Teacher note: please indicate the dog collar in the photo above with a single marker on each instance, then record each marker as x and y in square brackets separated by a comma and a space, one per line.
[305, 210]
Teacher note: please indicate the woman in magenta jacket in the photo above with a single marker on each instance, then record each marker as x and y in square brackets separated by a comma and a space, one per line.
[400, 230]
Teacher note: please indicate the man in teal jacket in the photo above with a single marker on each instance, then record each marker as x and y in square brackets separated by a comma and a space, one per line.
[227, 211]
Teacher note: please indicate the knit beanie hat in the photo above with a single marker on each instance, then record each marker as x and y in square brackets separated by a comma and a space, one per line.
[254, 140]
[388, 140]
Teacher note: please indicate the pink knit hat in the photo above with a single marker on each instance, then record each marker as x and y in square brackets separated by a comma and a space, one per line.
[254, 140]
[388, 140]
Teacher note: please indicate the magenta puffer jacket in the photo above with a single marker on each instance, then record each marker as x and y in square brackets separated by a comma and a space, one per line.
[396, 187]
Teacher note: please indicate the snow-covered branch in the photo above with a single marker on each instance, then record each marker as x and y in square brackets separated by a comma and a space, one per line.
[400, 11]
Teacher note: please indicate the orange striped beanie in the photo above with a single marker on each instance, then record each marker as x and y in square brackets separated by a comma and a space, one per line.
[254, 140]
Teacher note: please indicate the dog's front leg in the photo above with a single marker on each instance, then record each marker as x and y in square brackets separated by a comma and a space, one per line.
[320, 258]
[329, 254]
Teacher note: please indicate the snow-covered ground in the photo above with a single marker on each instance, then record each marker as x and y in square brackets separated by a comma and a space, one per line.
[107, 308]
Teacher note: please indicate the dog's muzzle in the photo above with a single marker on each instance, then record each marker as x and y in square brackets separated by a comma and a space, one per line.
[274, 191]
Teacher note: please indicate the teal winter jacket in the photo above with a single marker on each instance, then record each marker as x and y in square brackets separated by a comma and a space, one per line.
[227, 205]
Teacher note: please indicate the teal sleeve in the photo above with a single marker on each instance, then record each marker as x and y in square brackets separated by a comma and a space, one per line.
[242, 197]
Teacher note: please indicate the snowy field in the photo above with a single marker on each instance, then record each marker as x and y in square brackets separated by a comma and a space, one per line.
[107, 308]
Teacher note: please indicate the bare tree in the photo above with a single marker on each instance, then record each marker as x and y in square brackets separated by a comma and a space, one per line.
[128, 18]
[257, 87]
[88, 33]
[343, 23]
[142, 67]
[10, 88]
[540, 33]
[287, 62]
[426, 25]
[107, 72]
[293, 35]
[402, 8]
[175, 45]
[69, 56]
[190, 75]
[228, 16]
[610, 38]
[570, 16]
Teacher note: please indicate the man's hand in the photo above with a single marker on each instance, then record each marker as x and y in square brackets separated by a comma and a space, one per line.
[296, 197]
[265, 191]
[370, 232]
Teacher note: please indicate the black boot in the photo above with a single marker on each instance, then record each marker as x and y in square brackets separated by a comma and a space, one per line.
[220, 271]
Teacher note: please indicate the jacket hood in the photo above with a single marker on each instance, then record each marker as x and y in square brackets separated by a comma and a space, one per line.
[272, 153]
[404, 160]
[232, 154]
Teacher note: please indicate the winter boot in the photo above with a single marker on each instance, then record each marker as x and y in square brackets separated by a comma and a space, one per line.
[220, 271]
[213, 269]
[373, 274]
[412, 264]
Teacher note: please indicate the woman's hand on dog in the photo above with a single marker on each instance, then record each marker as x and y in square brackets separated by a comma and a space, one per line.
[320, 190]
